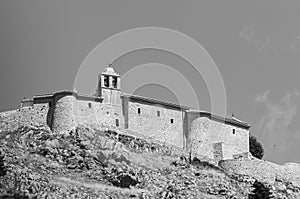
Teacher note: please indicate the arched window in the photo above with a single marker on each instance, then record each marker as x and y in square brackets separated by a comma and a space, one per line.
[115, 82]
[106, 80]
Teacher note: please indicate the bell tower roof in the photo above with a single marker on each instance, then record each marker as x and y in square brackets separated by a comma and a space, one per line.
[110, 71]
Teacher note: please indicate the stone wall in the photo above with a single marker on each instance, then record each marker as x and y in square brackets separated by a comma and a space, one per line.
[89, 112]
[141, 145]
[165, 122]
[111, 96]
[27, 103]
[29, 115]
[263, 170]
[218, 151]
[206, 132]
[64, 114]
[70, 111]
[157, 122]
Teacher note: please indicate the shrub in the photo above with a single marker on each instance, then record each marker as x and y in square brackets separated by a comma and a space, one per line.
[260, 191]
[256, 148]
[124, 180]
[203, 164]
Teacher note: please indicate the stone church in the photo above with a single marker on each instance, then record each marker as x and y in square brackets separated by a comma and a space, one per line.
[202, 132]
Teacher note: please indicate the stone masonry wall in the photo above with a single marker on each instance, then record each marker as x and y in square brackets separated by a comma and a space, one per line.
[64, 115]
[111, 96]
[263, 170]
[205, 132]
[99, 113]
[158, 127]
[31, 115]
[70, 112]
[141, 145]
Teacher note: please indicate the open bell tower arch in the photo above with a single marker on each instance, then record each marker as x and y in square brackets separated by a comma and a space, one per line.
[109, 86]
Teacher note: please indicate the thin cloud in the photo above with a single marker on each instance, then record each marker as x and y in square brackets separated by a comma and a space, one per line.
[266, 44]
[294, 44]
[256, 38]
[262, 97]
[275, 124]
[279, 115]
[248, 33]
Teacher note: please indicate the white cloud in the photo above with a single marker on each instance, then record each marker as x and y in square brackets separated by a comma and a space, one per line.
[266, 44]
[248, 33]
[275, 124]
[262, 97]
[256, 38]
[279, 115]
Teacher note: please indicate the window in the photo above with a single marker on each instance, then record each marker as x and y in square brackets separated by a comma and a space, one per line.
[90, 105]
[172, 121]
[115, 81]
[106, 80]
[117, 122]
[233, 131]
[158, 113]
[139, 111]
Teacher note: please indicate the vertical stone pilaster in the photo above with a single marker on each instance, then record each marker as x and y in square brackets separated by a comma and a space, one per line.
[102, 81]
[110, 78]
[118, 83]
[125, 107]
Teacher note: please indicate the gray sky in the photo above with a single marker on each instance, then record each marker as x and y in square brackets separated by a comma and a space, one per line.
[255, 44]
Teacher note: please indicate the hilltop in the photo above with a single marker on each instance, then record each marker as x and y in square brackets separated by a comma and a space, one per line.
[90, 162]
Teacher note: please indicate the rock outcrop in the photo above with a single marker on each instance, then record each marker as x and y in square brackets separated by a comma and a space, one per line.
[100, 163]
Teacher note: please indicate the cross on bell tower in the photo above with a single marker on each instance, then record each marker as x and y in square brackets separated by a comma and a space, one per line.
[109, 85]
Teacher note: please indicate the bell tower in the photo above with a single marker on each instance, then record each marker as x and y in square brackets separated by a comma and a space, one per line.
[109, 86]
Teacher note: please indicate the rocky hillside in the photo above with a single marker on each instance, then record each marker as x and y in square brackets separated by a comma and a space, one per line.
[93, 163]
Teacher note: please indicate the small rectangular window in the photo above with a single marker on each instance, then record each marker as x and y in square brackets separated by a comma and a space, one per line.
[117, 122]
[172, 121]
[233, 131]
[158, 113]
[90, 105]
[139, 110]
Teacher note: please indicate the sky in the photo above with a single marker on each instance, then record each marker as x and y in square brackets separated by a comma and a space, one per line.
[255, 45]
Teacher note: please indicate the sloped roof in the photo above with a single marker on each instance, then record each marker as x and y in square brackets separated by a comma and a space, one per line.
[233, 121]
[109, 71]
[154, 101]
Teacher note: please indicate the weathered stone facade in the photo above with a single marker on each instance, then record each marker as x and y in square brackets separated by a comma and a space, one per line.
[160, 123]
[263, 171]
[200, 132]
[36, 114]
[215, 139]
